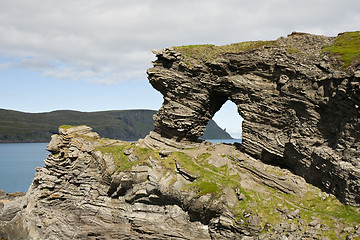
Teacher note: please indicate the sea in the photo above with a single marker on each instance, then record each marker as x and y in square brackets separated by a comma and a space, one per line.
[18, 162]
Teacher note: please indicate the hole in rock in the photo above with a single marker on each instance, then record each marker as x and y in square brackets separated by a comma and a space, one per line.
[228, 119]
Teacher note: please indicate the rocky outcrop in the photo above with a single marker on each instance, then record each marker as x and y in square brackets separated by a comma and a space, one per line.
[299, 101]
[95, 188]
[300, 109]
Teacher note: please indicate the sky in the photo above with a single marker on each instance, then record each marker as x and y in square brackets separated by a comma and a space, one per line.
[92, 55]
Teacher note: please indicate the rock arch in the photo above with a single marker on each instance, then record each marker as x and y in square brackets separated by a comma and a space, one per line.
[300, 109]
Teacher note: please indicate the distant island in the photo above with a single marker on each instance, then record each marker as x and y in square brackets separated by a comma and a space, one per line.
[127, 125]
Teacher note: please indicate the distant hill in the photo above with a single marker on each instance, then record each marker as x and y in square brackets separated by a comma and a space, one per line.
[120, 124]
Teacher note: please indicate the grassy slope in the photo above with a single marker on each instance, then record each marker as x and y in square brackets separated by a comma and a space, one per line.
[346, 46]
[122, 124]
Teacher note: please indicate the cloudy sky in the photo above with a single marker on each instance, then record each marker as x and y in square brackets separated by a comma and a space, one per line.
[92, 55]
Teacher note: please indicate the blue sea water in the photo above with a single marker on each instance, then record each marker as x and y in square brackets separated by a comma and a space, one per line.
[18, 162]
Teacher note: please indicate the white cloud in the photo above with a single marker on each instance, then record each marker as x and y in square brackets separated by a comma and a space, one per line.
[111, 40]
[5, 65]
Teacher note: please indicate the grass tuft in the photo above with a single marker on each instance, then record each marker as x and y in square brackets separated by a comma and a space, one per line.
[121, 161]
[66, 127]
[346, 46]
[208, 187]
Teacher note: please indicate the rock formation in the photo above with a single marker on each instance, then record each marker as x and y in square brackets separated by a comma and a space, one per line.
[95, 188]
[299, 101]
[300, 107]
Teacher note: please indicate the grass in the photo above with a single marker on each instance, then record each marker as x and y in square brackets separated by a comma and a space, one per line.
[208, 187]
[121, 160]
[259, 200]
[210, 178]
[314, 203]
[66, 127]
[213, 180]
[329, 210]
[346, 47]
[325, 207]
[202, 157]
[208, 52]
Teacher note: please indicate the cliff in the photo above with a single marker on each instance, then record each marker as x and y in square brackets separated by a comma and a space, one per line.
[299, 97]
[96, 188]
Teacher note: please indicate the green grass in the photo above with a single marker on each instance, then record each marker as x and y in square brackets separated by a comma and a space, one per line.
[208, 187]
[202, 157]
[328, 206]
[213, 180]
[210, 178]
[259, 200]
[330, 211]
[346, 46]
[121, 160]
[208, 52]
[66, 127]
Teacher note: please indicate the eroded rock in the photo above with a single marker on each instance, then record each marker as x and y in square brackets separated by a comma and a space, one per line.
[102, 193]
[299, 104]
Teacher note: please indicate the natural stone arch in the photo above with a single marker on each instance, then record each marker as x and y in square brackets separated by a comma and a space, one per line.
[285, 100]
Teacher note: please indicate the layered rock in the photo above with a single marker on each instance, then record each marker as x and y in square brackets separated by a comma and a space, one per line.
[300, 109]
[94, 188]
[300, 104]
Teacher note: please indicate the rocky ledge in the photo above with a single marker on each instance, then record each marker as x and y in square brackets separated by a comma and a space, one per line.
[299, 97]
[95, 188]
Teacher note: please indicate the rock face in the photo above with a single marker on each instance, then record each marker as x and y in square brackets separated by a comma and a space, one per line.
[76, 196]
[94, 188]
[300, 104]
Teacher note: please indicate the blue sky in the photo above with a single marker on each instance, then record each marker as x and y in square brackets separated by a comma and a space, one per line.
[92, 55]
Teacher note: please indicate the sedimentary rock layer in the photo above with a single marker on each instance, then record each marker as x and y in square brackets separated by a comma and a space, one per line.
[94, 188]
[300, 109]
[300, 104]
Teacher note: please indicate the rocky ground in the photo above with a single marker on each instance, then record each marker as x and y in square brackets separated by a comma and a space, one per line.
[95, 188]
